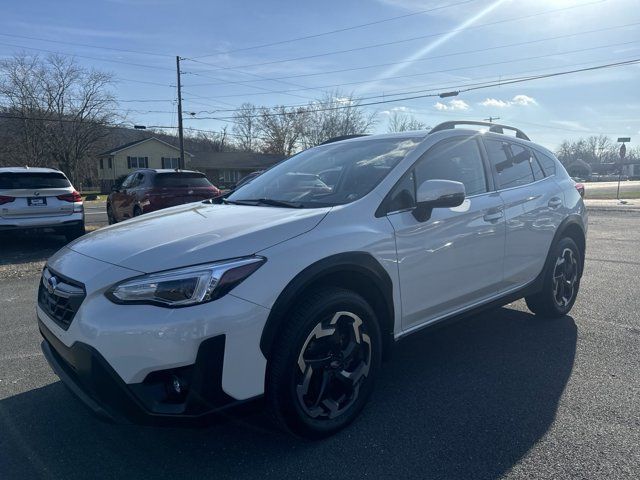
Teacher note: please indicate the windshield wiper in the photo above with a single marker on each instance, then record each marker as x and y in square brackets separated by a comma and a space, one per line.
[266, 201]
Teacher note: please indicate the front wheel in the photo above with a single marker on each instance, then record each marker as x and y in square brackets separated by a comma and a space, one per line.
[324, 363]
[561, 282]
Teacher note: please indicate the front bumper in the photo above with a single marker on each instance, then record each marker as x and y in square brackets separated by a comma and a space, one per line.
[89, 376]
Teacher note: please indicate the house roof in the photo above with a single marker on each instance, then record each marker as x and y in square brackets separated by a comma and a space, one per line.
[234, 160]
[138, 142]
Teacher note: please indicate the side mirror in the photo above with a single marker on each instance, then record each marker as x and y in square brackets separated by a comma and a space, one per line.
[115, 188]
[437, 194]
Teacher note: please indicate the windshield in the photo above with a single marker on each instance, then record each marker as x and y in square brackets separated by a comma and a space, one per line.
[328, 175]
[15, 180]
[186, 180]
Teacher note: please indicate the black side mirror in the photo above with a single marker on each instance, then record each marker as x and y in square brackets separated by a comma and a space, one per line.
[437, 194]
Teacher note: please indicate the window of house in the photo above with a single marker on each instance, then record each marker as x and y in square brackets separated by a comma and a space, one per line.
[137, 162]
[457, 160]
[231, 175]
[511, 171]
[170, 162]
[110, 162]
[101, 164]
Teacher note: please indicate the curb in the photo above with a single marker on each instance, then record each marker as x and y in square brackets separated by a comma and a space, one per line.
[613, 209]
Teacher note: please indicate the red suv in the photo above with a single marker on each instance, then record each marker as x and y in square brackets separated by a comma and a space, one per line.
[147, 190]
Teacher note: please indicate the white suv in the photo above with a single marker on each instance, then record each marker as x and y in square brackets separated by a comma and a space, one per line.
[295, 288]
[39, 198]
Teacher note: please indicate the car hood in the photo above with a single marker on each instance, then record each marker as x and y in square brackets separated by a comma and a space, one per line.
[195, 233]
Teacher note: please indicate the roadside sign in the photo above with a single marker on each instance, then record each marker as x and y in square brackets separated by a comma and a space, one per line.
[624, 139]
[623, 151]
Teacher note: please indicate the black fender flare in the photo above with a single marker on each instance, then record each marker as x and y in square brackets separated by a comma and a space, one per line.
[360, 263]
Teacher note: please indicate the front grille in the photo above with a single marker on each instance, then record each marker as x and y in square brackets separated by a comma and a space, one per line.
[60, 297]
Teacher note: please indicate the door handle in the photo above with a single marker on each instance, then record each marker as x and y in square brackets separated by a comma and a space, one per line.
[555, 202]
[493, 216]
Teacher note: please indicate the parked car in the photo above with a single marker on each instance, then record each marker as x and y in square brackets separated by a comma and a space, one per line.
[40, 198]
[247, 179]
[298, 297]
[147, 190]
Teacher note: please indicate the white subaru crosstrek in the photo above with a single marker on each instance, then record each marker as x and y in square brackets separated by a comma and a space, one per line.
[296, 285]
[40, 198]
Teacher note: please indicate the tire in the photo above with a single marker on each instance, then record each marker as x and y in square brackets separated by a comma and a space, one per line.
[561, 282]
[71, 233]
[324, 364]
[110, 218]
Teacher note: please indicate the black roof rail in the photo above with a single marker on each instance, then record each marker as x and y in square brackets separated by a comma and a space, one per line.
[343, 137]
[493, 127]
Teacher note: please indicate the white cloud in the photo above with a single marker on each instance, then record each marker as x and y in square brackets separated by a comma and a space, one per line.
[494, 102]
[521, 100]
[452, 105]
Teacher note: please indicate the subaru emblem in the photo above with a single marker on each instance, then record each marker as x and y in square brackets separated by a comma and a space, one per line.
[51, 284]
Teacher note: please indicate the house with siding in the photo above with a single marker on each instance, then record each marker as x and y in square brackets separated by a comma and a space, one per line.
[147, 153]
[223, 169]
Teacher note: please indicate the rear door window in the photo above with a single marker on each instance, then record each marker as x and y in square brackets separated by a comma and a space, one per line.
[181, 180]
[20, 180]
[511, 169]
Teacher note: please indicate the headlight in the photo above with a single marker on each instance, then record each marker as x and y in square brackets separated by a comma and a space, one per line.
[185, 286]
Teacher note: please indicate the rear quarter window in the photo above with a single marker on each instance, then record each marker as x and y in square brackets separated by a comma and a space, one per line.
[20, 180]
[547, 162]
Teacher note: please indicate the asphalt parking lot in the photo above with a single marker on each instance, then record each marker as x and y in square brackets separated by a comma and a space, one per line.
[502, 395]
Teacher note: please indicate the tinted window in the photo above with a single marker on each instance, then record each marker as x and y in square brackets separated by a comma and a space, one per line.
[520, 153]
[177, 180]
[10, 180]
[457, 160]
[548, 163]
[351, 170]
[511, 171]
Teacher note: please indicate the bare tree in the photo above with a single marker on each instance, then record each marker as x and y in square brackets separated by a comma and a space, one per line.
[402, 122]
[64, 109]
[214, 141]
[281, 129]
[334, 115]
[246, 125]
[594, 150]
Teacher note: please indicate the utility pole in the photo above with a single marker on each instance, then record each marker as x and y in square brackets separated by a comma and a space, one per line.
[180, 135]
[491, 119]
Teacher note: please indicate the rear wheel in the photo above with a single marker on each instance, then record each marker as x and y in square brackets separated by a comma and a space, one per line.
[324, 364]
[110, 217]
[561, 282]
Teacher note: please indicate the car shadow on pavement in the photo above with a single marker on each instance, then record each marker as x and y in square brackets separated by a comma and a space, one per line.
[467, 400]
[26, 247]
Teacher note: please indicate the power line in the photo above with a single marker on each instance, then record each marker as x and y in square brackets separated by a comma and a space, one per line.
[508, 45]
[421, 37]
[507, 81]
[430, 88]
[75, 44]
[55, 52]
[331, 32]
[410, 75]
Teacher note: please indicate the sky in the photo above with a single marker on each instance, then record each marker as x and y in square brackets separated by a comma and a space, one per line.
[252, 51]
